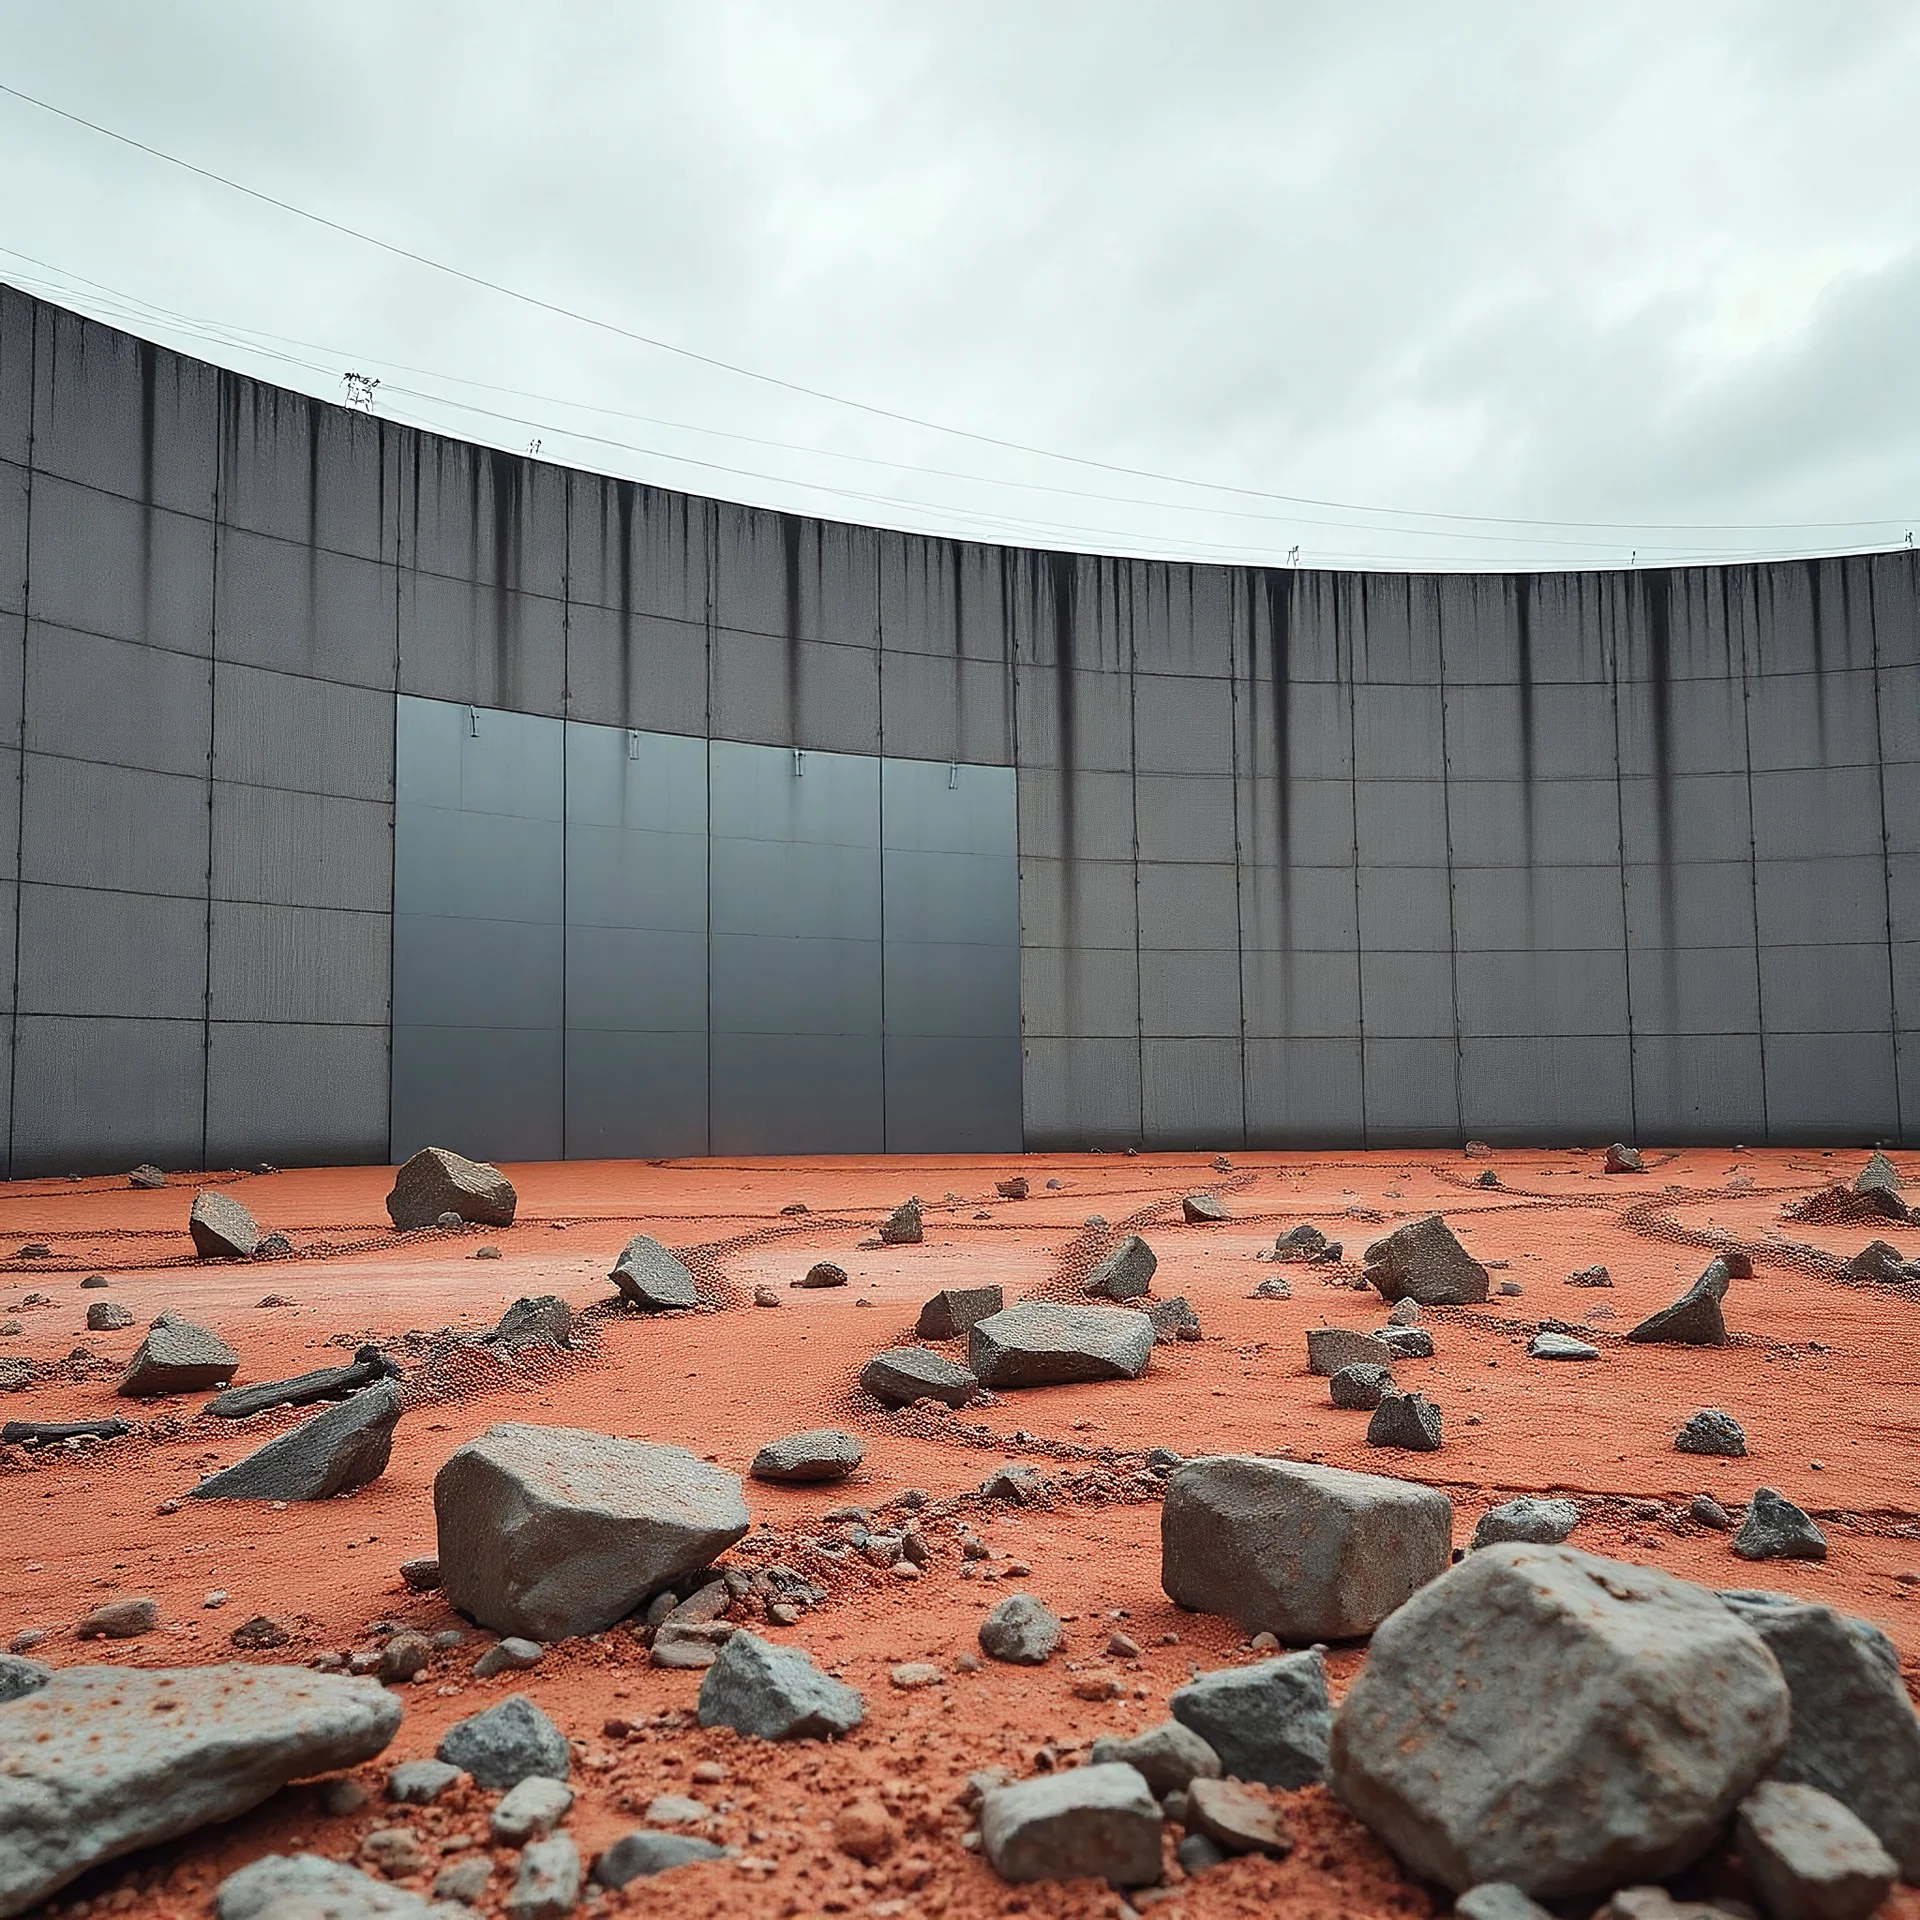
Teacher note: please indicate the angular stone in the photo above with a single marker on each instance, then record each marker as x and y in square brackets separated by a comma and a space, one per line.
[1038, 1344]
[823, 1273]
[1167, 1757]
[1539, 1523]
[466, 1881]
[1695, 1319]
[1498, 1900]
[1405, 1343]
[530, 1810]
[346, 1447]
[1173, 1320]
[146, 1175]
[1708, 1512]
[1236, 1819]
[1096, 1822]
[19, 1677]
[260, 1634]
[304, 1389]
[1014, 1189]
[303, 1886]
[547, 1887]
[1199, 1209]
[511, 1655]
[1550, 1344]
[1126, 1273]
[825, 1453]
[508, 1743]
[550, 1532]
[1018, 1483]
[1809, 1856]
[436, 1181]
[419, 1783]
[1272, 1289]
[422, 1573]
[1022, 1631]
[1775, 1529]
[1878, 1175]
[954, 1310]
[1586, 1277]
[1331, 1348]
[642, 1853]
[1712, 1432]
[1558, 1721]
[1409, 1421]
[1878, 1261]
[1622, 1158]
[903, 1226]
[540, 1320]
[1359, 1385]
[652, 1278]
[178, 1357]
[906, 1374]
[1269, 1722]
[1300, 1245]
[103, 1760]
[222, 1228]
[119, 1620]
[53, 1433]
[776, 1693]
[1306, 1553]
[108, 1316]
[1423, 1261]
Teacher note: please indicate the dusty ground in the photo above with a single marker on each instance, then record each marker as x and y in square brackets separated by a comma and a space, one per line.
[1825, 1377]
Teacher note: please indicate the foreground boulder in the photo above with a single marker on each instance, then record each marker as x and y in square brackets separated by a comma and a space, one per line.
[103, 1760]
[222, 1228]
[304, 1886]
[1423, 1261]
[1269, 1722]
[805, 1459]
[906, 1374]
[954, 1310]
[776, 1693]
[509, 1743]
[1563, 1722]
[548, 1532]
[1126, 1273]
[348, 1446]
[177, 1356]
[324, 1383]
[653, 1279]
[1695, 1319]
[1305, 1553]
[1808, 1856]
[436, 1182]
[1037, 1344]
[1097, 1822]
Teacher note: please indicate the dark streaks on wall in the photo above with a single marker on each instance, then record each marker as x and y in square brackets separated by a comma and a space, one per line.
[1657, 592]
[791, 529]
[506, 476]
[1523, 635]
[1062, 575]
[623, 492]
[1277, 592]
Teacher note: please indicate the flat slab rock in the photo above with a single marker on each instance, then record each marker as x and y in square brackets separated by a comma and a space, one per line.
[177, 1356]
[1037, 1344]
[345, 1447]
[1331, 1348]
[103, 1760]
[1423, 1261]
[437, 1181]
[652, 1278]
[1809, 1857]
[906, 1374]
[803, 1459]
[1095, 1822]
[323, 1383]
[304, 1886]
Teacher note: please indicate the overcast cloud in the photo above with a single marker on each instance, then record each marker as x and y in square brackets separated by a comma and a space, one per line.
[1642, 264]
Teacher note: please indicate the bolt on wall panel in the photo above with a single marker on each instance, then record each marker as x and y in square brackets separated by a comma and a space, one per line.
[1182, 618]
[306, 610]
[301, 849]
[1296, 731]
[1076, 816]
[1401, 823]
[1303, 1093]
[101, 1095]
[636, 550]
[1078, 904]
[304, 735]
[1397, 733]
[1511, 823]
[1071, 611]
[1813, 720]
[1542, 733]
[1404, 910]
[946, 708]
[1185, 817]
[1407, 995]
[785, 575]
[1817, 813]
[1812, 616]
[1674, 727]
[1189, 906]
[476, 514]
[806, 693]
[1690, 817]
[1889, 585]
[1900, 715]
[1547, 995]
[340, 1118]
[126, 705]
[122, 828]
[1396, 627]
[9, 821]
[1182, 725]
[1190, 1093]
[1821, 902]
[1702, 904]
[1303, 823]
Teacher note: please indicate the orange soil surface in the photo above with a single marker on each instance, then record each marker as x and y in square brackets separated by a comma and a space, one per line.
[1824, 1375]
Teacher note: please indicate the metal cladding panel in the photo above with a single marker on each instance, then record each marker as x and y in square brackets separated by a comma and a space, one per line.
[1076, 720]
[1407, 995]
[1532, 1088]
[490, 1093]
[797, 889]
[1405, 910]
[927, 807]
[301, 849]
[306, 610]
[946, 708]
[1900, 789]
[117, 827]
[1511, 823]
[309, 473]
[942, 990]
[1908, 1042]
[1182, 726]
[17, 321]
[797, 1092]
[1081, 1092]
[1401, 823]
[1071, 610]
[1818, 813]
[781, 574]
[1905, 955]
[783, 983]
[113, 701]
[630, 782]
[636, 670]
[133, 955]
[1397, 733]
[104, 564]
[1900, 715]
[1303, 1093]
[1831, 1086]
[471, 641]
[1695, 990]
[961, 899]
[340, 1117]
[1297, 730]
[1890, 585]
[1706, 816]
[1671, 727]
[1190, 1093]
[1530, 732]
[451, 971]
[1411, 1091]
[1190, 994]
[636, 550]
[1186, 817]
[1075, 816]
[1813, 720]
[1306, 823]
[1545, 909]
[1078, 903]
[952, 1095]
[1826, 989]
[1182, 618]
[13, 537]
[1512, 995]
[476, 514]
[635, 1096]
[101, 1095]
[1697, 1086]
[9, 821]
[301, 966]
[478, 759]
[1396, 629]
[1821, 902]
[309, 736]
[1700, 905]
[1085, 991]
[1308, 994]
[944, 597]
[1304, 909]
[803, 693]
[636, 980]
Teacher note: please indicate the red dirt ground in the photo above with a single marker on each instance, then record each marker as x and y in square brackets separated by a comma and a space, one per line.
[1823, 1374]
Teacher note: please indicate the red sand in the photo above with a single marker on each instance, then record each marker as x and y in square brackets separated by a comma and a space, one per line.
[1824, 1375]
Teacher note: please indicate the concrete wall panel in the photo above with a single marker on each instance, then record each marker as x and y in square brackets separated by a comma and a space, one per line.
[1081, 1093]
[301, 849]
[114, 827]
[129, 955]
[102, 563]
[1304, 1093]
[341, 1118]
[307, 736]
[114, 701]
[1190, 1093]
[328, 616]
[103, 1094]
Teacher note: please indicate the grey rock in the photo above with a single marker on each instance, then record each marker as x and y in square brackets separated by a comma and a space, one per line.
[511, 1655]
[1558, 1721]
[345, 1447]
[1498, 1900]
[775, 1693]
[95, 1280]
[905, 1374]
[19, 1677]
[1300, 1245]
[178, 1357]
[530, 1811]
[422, 1573]
[1810, 1857]
[1269, 1722]
[303, 1886]
[1880, 1262]
[652, 1278]
[1020, 1484]
[1306, 1553]
[146, 1175]
[119, 1620]
[1273, 1289]
[954, 1310]
[547, 1887]
[1331, 1348]
[1695, 1319]
[1589, 1277]
[1166, 1757]
[1423, 1261]
[1539, 1523]
[1359, 1385]
[303, 1390]
[1021, 1630]
[1409, 1421]
[1126, 1273]
[1404, 1313]
[103, 1760]
[1237, 1819]
[540, 1320]
[419, 1783]
[1879, 1175]
[1549, 1344]
[823, 1273]
[107, 1316]
[436, 1181]
[222, 1228]
[1173, 1320]
[689, 1645]
[466, 1881]
[903, 1227]
[508, 1743]
[1199, 1209]
[1405, 1343]
[1096, 1822]
[1038, 1344]
[801, 1459]
[53, 1433]
[1775, 1529]
[1712, 1432]
[1708, 1512]
[1622, 1158]
[549, 1532]
[643, 1853]
[1196, 1854]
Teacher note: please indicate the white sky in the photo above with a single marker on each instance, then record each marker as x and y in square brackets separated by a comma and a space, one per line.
[1648, 265]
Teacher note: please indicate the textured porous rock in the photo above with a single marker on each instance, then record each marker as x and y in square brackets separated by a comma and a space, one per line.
[547, 1887]
[1775, 1529]
[1810, 1857]
[823, 1273]
[1712, 1432]
[1236, 1819]
[1096, 1822]
[652, 1278]
[1695, 1319]
[1359, 1385]
[1020, 1484]
[775, 1693]
[903, 1375]
[222, 1228]
[1405, 1343]
[1622, 1158]
[507, 1744]
[1855, 1733]
[1879, 1262]
[324, 1383]
[1305, 1245]
[1269, 1722]
[1272, 1289]
[1331, 1348]
[1551, 1344]
[1126, 1273]
[1423, 1261]
[953, 1310]
[108, 1316]
[1556, 1720]
[19, 1677]
[146, 1175]
[1198, 1209]
[1014, 1189]
[824, 1453]
[1022, 1631]
[336, 1451]
[1038, 1344]
[1306, 1553]
[1539, 1523]
[177, 1357]
[1173, 1320]
[303, 1886]
[1588, 1277]
[550, 1532]
[643, 1853]
[1409, 1421]
[1879, 1175]
[903, 1227]
[103, 1760]
[539, 1320]
[1167, 1757]
[435, 1181]
[530, 1811]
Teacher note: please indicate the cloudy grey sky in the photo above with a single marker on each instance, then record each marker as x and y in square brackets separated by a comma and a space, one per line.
[1595, 280]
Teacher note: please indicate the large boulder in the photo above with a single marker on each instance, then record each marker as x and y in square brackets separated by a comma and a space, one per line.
[804, 1459]
[506, 1744]
[324, 1383]
[1563, 1722]
[177, 1356]
[547, 1532]
[1423, 1261]
[1269, 1722]
[1126, 1273]
[103, 1760]
[905, 1374]
[1096, 1822]
[1038, 1344]
[222, 1228]
[336, 1451]
[1695, 1319]
[776, 1693]
[652, 1278]
[954, 1310]
[1305, 1553]
[435, 1181]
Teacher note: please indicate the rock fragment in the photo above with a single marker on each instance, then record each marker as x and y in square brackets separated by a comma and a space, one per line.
[119, 1620]
[1695, 1319]
[823, 1273]
[1880, 1262]
[1126, 1273]
[1269, 1722]
[547, 1887]
[1588, 1277]
[1540, 1523]
[510, 1655]
[906, 1374]
[643, 1853]
[1706, 1511]
[177, 1356]
[1409, 1421]
[1879, 1175]
[419, 1783]
[539, 1320]
[1022, 1631]
[146, 1175]
[345, 1447]
[904, 1226]
[1236, 1819]
[651, 1278]
[108, 1316]
[953, 1311]
[1331, 1348]
[1551, 1344]
[1775, 1529]
[436, 1181]
[1096, 1822]
[1498, 1900]
[1014, 1189]
[1038, 1344]
[1200, 1209]
[303, 1390]
[1423, 1261]
[530, 1811]
[1405, 1343]
[303, 1886]
[1712, 1432]
[1809, 1856]
[506, 1744]
[1359, 1385]
[803, 1459]
[1622, 1158]
[1167, 1757]
[1304, 1245]
[775, 1693]
[221, 1227]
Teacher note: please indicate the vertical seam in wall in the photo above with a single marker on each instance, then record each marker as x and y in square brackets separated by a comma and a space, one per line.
[1242, 587]
[1343, 643]
[1753, 851]
[224, 391]
[710, 536]
[1610, 640]
[566, 770]
[1123, 571]
[1446, 815]
[1886, 864]
[880, 775]
[393, 797]
[20, 771]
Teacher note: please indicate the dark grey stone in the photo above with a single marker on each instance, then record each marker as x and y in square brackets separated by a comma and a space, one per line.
[1300, 1245]
[1200, 1209]
[346, 1447]
[1708, 1512]
[1166, 1757]
[540, 1320]
[776, 1693]
[1498, 1900]
[1712, 1432]
[436, 1181]
[1540, 1523]
[953, 1310]
[1407, 1420]
[824, 1453]
[53, 1433]
[1359, 1385]
[1549, 1344]
[1405, 1343]
[1095, 1822]
[1775, 1529]
[651, 1277]
[506, 1744]
[222, 1228]
[903, 1227]
[643, 1852]
[1622, 1158]
[108, 1316]
[1039, 1344]
[1196, 1853]
[1126, 1273]
[1879, 1175]
[905, 1374]
[1810, 1857]
[1022, 1631]
[1173, 1320]
[19, 1677]
[1331, 1348]
[1269, 1722]
[1423, 1261]
[178, 1357]
[823, 1273]
[1587, 1277]
[303, 1886]
[146, 1175]
[303, 1390]
[1880, 1262]
[1695, 1319]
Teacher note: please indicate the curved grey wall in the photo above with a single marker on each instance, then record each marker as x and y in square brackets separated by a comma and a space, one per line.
[1304, 857]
